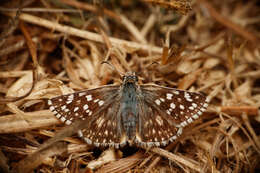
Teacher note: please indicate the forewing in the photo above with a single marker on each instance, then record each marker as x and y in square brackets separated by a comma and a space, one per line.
[84, 105]
[183, 107]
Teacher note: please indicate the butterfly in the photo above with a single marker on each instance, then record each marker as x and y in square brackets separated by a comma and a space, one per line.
[142, 115]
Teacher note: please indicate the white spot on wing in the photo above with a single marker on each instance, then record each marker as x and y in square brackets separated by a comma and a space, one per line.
[169, 96]
[69, 101]
[184, 123]
[68, 122]
[80, 134]
[203, 109]
[63, 107]
[190, 120]
[157, 101]
[186, 95]
[85, 107]
[89, 97]
[205, 105]
[176, 92]
[76, 108]
[82, 94]
[52, 108]
[172, 105]
[63, 119]
[101, 102]
[191, 108]
[182, 107]
[179, 132]
[194, 105]
[189, 99]
[49, 102]
[58, 115]
[71, 97]
[173, 138]
[88, 141]
[95, 101]
[162, 99]
[195, 116]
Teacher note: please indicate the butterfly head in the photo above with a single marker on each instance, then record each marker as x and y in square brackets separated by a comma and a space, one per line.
[130, 77]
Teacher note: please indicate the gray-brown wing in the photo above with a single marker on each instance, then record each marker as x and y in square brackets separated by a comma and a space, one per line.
[105, 128]
[165, 111]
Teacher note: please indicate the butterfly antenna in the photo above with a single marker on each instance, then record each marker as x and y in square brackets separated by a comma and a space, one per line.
[152, 64]
[112, 67]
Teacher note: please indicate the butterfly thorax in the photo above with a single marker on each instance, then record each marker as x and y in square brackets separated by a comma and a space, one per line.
[129, 112]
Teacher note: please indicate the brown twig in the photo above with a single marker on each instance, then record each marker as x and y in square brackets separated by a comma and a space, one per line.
[86, 34]
[34, 160]
[176, 158]
[123, 164]
[13, 124]
[239, 110]
[33, 52]
[88, 7]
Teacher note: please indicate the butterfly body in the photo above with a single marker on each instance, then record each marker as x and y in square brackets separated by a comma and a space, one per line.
[142, 115]
[129, 115]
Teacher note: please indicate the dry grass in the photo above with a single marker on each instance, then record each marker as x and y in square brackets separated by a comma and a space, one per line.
[51, 48]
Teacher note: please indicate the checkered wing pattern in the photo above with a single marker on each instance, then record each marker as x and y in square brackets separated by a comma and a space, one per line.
[143, 115]
[165, 112]
[104, 127]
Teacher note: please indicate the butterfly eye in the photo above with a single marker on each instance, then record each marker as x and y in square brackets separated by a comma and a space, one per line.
[136, 78]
